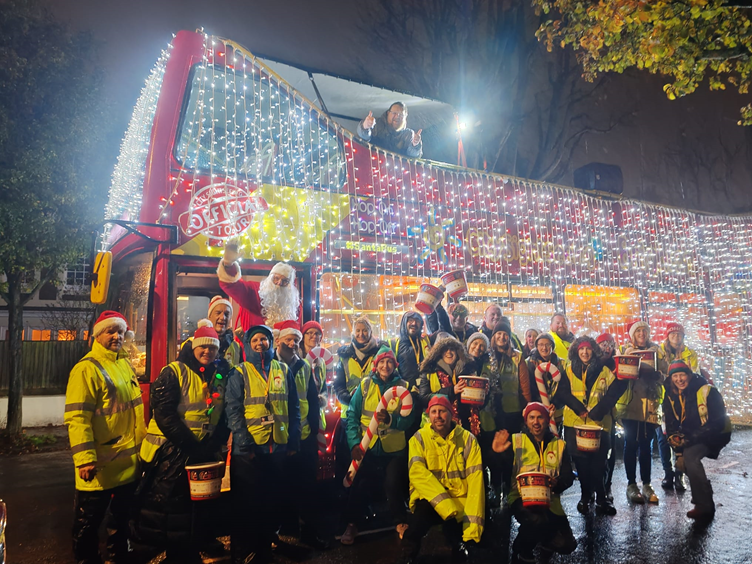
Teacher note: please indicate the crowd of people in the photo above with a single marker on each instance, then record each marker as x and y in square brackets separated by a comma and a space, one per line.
[447, 462]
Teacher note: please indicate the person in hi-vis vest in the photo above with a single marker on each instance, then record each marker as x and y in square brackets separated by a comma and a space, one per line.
[264, 415]
[105, 419]
[537, 449]
[189, 426]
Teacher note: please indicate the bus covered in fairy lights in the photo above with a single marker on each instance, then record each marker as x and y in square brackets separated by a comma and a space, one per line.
[223, 148]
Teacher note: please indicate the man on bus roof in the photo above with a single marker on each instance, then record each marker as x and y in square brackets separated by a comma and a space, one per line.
[390, 132]
[267, 302]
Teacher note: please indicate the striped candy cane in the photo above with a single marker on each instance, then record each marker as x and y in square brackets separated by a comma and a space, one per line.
[406, 406]
[555, 375]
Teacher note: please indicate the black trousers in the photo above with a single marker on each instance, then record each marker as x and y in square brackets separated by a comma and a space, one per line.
[423, 518]
[638, 436]
[302, 488]
[257, 496]
[541, 526]
[91, 508]
[591, 466]
[389, 472]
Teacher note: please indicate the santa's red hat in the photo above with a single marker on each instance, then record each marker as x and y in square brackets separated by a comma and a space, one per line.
[217, 301]
[674, 328]
[205, 335]
[308, 325]
[285, 328]
[109, 319]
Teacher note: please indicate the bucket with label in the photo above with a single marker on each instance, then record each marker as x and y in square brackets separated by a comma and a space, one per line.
[428, 298]
[475, 390]
[205, 480]
[534, 489]
[588, 437]
[455, 283]
[627, 366]
[647, 357]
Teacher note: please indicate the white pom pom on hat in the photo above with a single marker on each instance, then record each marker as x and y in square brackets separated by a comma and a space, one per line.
[205, 335]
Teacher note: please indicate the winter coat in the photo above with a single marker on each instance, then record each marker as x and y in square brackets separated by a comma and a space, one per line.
[439, 320]
[163, 498]
[715, 433]
[687, 355]
[345, 354]
[533, 361]
[564, 396]
[643, 397]
[404, 348]
[382, 135]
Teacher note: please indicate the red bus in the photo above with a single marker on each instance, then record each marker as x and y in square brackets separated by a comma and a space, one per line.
[221, 147]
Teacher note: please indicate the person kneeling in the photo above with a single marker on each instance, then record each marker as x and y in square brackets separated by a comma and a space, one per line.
[538, 450]
[446, 483]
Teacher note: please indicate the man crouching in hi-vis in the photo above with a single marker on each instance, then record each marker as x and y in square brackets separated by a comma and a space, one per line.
[446, 484]
[105, 418]
[537, 449]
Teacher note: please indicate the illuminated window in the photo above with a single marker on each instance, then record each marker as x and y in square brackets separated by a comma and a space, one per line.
[66, 335]
[597, 309]
[40, 334]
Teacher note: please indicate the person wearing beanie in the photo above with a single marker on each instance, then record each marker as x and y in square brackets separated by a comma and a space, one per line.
[697, 427]
[560, 333]
[543, 351]
[445, 465]
[588, 392]
[673, 348]
[313, 334]
[263, 413]
[441, 372]
[477, 346]
[274, 299]
[385, 462]
[607, 345]
[104, 414]
[529, 346]
[220, 314]
[411, 347]
[537, 449]
[189, 426]
[453, 320]
[640, 413]
[509, 391]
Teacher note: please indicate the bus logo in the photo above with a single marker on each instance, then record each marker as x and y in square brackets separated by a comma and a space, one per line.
[221, 211]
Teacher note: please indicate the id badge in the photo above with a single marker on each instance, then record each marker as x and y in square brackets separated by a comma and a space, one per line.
[267, 420]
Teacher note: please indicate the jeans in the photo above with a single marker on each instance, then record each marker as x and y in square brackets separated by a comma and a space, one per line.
[638, 436]
[702, 491]
[665, 451]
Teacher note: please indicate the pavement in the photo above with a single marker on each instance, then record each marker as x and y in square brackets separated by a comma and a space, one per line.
[38, 489]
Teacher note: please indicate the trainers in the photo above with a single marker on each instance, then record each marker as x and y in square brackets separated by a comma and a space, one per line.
[605, 507]
[679, 483]
[668, 483]
[401, 528]
[649, 493]
[348, 537]
[634, 495]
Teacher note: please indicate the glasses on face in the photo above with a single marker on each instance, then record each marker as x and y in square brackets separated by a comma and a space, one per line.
[398, 115]
[544, 347]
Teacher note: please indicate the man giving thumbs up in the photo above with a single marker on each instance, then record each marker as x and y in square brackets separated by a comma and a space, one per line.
[390, 132]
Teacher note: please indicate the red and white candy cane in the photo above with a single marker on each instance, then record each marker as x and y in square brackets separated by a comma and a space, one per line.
[406, 406]
[317, 353]
[542, 368]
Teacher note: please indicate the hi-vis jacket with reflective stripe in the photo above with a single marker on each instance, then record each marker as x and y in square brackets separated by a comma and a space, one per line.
[528, 459]
[105, 418]
[354, 374]
[448, 473]
[308, 385]
[600, 387]
[192, 410]
[266, 409]
[687, 355]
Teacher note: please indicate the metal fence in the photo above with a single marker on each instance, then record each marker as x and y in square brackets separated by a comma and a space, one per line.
[46, 365]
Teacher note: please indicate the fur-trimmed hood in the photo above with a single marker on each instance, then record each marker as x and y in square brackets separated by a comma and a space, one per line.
[431, 363]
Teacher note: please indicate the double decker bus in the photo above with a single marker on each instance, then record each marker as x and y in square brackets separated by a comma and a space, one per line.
[221, 147]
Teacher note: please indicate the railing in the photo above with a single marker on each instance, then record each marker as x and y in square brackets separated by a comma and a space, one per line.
[46, 365]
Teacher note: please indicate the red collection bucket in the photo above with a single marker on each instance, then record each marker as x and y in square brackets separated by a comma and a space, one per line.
[475, 392]
[647, 357]
[428, 298]
[455, 283]
[627, 366]
[205, 480]
[588, 437]
[534, 489]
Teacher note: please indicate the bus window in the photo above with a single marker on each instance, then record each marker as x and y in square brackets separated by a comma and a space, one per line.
[129, 294]
[265, 134]
[596, 309]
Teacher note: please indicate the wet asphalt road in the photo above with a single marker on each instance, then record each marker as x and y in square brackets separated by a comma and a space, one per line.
[38, 489]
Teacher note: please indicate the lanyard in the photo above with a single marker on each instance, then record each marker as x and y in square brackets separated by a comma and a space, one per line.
[417, 349]
[683, 404]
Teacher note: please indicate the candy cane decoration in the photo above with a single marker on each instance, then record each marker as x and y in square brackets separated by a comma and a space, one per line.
[406, 401]
[317, 353]
[555, 375]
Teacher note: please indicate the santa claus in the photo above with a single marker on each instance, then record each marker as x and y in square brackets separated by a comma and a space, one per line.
[270, 301]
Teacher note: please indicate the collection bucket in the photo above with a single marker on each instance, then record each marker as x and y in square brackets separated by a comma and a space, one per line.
[428, 298]
[647, 357]
[534, 489]
[588, 437]
[475, 392]
[455, 283]
[627, 366]
[205, 480]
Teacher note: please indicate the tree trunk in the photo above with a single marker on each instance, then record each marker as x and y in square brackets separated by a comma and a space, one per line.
[15, 328]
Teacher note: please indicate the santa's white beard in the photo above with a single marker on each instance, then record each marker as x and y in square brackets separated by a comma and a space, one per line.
[278, 303]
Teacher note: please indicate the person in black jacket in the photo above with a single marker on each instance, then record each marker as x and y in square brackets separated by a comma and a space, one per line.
[166, 516]
[697, 427]
[390, 132]
[452, 320]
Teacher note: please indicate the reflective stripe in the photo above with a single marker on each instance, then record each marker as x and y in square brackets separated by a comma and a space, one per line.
[155, 440]
[439, 498]
[107, 380]
[450, 475]
[419, 438]
[473, 469]
[415, 459]
[91, 445]
[366, 413]
[254, 401]
[474, 520]
[198, 425]
[468, 447]
[258, 420]
[119, 407]
[195, 406]
[277, 397]
[80, 407]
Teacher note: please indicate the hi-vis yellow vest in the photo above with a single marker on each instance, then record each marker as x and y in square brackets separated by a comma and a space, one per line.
[354, 374]
[302, 378]
[702, 407]
[528, 459]
[561, 347]
[508, 381]
[392, 440]
[265, 403]
[192, 409]
[600, 387]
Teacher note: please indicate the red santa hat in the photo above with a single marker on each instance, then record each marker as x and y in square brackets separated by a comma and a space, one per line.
[205, 335]
[674, 328]
[217, 301]
[285, 270]
[536, 406]
[603, 337]
[109, 319]
[285, 328]
[308, 325]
